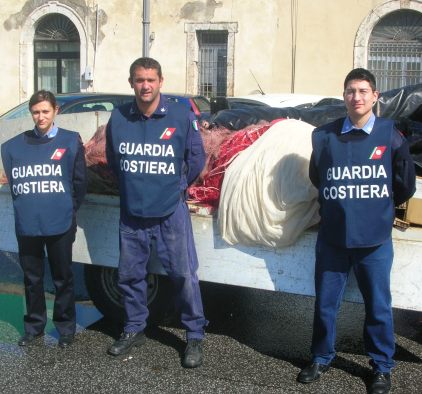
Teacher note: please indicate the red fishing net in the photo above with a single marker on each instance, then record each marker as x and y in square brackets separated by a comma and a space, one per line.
[100, 179]
[222, 146]
[3, 179]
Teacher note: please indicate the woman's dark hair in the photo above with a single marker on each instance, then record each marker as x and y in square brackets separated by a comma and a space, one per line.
[42, 95]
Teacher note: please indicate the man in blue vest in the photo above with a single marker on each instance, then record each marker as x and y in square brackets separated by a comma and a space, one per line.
[155, 149]
[362, 168]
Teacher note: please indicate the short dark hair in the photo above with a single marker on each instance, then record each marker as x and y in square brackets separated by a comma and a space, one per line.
[361, 74]
[42, 95]
[145, 62]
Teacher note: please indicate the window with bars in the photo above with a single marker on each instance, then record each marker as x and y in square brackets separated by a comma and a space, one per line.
[212, 62]
[395, 65]
[395, 50]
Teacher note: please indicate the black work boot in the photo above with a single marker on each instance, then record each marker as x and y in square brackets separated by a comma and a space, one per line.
[312, 372]
[66, 340]
[193, 354]
[126, 342]
[380, 383]
[28, 339]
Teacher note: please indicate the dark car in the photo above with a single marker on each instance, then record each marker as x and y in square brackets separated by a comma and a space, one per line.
[200, 105]
[219, 103]
[70, 103]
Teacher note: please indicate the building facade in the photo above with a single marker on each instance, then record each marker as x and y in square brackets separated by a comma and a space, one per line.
[212, 47]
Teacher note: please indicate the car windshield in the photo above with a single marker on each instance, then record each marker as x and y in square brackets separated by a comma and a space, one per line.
[18, 112]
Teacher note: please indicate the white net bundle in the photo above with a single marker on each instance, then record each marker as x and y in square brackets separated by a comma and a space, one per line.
[267, 197]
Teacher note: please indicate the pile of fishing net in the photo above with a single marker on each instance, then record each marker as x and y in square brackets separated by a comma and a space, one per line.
[100, 178]
[221, 147]
[266, 195]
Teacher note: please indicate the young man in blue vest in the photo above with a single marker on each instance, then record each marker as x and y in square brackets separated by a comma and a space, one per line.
[155, 149]
[362, 168]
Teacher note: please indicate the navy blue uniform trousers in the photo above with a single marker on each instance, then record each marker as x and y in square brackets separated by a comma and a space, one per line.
[31, 257]
[175, 247]
[372, 267]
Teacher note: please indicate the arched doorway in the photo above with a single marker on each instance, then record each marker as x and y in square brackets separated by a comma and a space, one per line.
[56, 54]
[388, 29]
[395, 50]
[27, 41]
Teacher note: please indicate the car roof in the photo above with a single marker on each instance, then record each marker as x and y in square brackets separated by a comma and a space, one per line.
[187, 95]
[66, 97]
[281, 100]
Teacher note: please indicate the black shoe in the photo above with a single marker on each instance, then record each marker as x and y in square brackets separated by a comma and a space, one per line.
[126, 342]
[27, 339]
[380, 383]
[193, 354]
[312, 372]
[66, 340]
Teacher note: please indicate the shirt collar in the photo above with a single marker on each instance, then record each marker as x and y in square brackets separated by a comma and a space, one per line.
[367, 128]
[160, 111]
[51, 134]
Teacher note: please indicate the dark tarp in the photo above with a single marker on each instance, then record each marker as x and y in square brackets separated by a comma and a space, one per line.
[239, 118]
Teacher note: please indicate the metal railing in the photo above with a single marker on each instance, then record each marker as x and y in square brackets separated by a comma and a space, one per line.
[395, 64]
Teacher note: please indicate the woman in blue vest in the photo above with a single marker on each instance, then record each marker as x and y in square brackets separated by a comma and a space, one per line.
[362, 168]
[45, 168]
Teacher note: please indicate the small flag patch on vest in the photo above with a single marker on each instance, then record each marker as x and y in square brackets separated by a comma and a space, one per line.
[195, 125]
[58, 154]
[167, 133]
[377, 152]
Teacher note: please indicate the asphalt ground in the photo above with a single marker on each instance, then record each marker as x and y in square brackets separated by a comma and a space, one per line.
[257, 341]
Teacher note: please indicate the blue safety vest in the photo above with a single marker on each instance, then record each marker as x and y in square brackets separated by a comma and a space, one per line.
[149, 158]
[355, 191]
[40, 178]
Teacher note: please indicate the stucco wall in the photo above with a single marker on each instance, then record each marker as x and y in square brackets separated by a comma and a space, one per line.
[325, 33]
[9, 58]
[121, 43]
